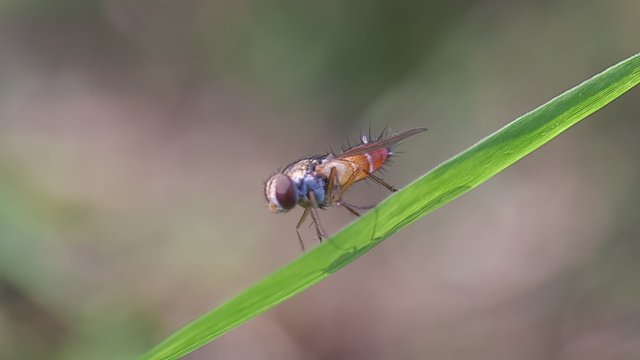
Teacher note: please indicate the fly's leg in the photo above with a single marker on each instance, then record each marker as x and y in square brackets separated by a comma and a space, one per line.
[350, 181]
[353, 208]
[331, 182]
[300, 222]
[314, 215]
[359, 207]
[341, 191]
[316, 222]
[349, 208]
[380, 181]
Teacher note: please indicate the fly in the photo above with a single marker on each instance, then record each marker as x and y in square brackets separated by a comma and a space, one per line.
[320, 181]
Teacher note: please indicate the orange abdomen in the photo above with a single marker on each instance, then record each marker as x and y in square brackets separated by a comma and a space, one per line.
[369, 162]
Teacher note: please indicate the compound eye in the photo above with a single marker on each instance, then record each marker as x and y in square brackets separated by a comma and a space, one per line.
[281, 193]
[286, 194]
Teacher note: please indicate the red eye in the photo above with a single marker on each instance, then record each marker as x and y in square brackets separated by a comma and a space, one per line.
[286, 194]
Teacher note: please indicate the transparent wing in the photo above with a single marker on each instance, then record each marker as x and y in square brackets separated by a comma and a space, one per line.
[378, 144]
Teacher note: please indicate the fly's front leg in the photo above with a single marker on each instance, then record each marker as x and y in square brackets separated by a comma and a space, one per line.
[300, 222]
[314, 215]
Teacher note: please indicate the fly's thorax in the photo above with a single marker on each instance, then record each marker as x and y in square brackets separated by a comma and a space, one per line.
[312, 184]
[344, 169]
[303, 174]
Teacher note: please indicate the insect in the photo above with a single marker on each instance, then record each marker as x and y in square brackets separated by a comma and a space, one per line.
[320, 181]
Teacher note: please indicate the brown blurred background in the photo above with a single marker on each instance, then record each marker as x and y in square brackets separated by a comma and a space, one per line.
[135, 137]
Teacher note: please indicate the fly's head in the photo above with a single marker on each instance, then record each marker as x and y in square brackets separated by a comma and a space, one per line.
[281, 193]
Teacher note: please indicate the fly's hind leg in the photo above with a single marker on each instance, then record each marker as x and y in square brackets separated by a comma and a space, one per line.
[353, 208]
[359, 207]
[349, 208]
[341, 190]
[380, 181]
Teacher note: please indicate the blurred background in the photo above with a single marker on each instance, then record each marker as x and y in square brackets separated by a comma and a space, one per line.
[135, 137]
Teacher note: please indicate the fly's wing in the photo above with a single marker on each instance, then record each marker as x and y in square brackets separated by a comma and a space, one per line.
[382, 143]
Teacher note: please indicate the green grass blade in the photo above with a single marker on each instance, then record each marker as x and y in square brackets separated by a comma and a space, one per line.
[433, 190]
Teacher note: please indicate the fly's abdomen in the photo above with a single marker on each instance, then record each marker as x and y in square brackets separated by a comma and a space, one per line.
[368, 162]
[377, 158]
